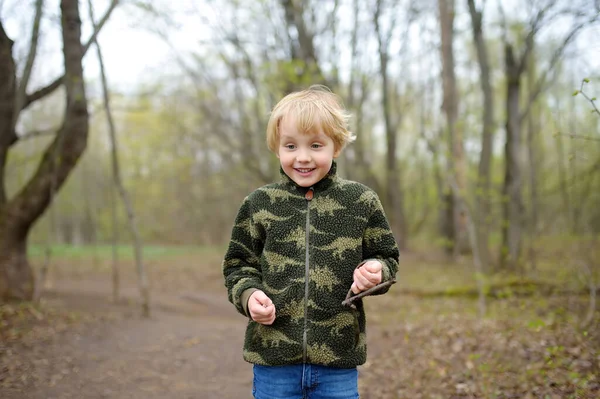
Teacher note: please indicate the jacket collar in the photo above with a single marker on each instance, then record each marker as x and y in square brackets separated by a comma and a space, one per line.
[321, 185]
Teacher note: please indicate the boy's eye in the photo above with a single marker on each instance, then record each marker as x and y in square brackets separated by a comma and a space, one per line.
[290, 146]
[316, 145]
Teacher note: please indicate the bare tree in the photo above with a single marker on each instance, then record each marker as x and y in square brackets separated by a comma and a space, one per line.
[532, 163]
[394, 180]
[116, 172]
[356, 98]
[18, 214]
[515, 65]
[482, 203]
[513, 180]
[456, 160]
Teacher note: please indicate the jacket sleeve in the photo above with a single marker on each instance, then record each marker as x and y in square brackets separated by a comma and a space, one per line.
[241, 266]
[379, 243]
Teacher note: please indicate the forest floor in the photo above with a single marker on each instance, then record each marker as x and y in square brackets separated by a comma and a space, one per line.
[77, 343]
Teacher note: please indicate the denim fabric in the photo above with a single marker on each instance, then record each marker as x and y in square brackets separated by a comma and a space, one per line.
[304, 381]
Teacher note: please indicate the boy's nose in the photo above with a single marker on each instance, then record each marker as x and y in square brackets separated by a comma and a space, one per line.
[303, 156]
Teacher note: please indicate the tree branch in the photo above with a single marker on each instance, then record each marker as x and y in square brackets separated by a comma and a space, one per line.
[22, 87]
[350, 299]
[536, 24]
[542, 82]
[591, 100]
[43, 92]
[61, 156]
[141, 271]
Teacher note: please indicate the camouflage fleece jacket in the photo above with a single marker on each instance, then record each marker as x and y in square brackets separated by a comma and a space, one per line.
[302, 252]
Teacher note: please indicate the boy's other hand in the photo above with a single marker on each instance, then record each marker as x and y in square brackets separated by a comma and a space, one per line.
[261, 308]
[367, 276]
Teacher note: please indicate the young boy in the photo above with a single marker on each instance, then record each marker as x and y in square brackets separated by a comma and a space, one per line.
[296, 249]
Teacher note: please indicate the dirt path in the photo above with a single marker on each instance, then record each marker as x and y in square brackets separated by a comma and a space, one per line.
[189, 348]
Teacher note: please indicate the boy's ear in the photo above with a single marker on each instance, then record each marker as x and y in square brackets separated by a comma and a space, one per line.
[337, 153]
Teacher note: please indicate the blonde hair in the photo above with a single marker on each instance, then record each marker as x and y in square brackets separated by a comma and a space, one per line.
[312, 109]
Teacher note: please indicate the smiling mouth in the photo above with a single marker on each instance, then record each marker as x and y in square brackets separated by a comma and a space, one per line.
[305, 170]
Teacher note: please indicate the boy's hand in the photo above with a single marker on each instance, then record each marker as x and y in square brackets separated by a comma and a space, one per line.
[367, 276]
[261, 308]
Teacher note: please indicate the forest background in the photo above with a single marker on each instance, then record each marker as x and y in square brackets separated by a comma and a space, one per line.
[476, 123]
[192, 128]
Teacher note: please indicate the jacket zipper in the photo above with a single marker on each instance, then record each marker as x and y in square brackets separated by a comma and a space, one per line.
[309, 196]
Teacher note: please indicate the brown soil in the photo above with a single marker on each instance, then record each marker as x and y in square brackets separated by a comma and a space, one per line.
[189, 348]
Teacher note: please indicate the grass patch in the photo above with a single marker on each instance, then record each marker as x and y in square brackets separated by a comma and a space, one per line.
[124, 252]
[438, 278]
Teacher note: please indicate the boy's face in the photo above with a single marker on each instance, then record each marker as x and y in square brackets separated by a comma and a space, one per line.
[305, 158]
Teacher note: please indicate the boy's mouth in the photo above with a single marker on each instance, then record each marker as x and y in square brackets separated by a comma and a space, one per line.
[304, 170]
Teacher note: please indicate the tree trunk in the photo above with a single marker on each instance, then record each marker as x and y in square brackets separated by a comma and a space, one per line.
[533, 193]
[532, 131]
[8, 91]
[512, 227]
[362, 148]
[395, 193]
[19, 214]
[358, 91]
[16, 278]
[447, 221]
[456, 161]
[562, 179]
[482, 196]
[137, 241]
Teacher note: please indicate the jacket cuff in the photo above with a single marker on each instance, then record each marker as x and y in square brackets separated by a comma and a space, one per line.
[386, 275]
[245, 297]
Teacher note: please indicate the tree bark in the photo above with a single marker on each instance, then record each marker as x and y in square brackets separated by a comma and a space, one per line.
[8, 90]
[361, 146]
[358, 91]
[456, 161]
[16, 276]
[482, 196]
[563, 178]
[532, 131]
[512, 226]
[395, 193]
[18, 215]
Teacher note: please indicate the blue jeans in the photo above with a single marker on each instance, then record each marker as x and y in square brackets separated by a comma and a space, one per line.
[304, 381]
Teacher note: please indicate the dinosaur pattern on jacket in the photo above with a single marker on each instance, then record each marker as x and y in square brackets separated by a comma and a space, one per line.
[302, 253]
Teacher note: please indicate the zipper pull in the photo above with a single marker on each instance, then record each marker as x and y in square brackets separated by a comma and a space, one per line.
[309, 194]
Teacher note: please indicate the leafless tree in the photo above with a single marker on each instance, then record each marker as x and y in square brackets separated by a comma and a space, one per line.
[118, 181]
[515, 65]
[18, 214]
[482, 204]
[394, 179]
[456, 159]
